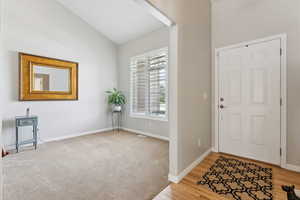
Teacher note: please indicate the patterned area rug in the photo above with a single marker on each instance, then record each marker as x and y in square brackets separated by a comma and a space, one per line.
[239, 180]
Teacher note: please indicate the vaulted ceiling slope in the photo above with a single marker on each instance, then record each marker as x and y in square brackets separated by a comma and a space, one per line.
[119, 20]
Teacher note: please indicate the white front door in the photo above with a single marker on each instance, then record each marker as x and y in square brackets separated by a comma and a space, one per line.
[249, 101]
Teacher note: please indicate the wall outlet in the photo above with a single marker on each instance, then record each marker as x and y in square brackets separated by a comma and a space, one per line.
[199, 142]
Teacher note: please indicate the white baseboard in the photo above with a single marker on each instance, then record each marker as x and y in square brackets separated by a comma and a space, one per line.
[13, 146]
[76, 135]
[293, 167]
[41, 141]
[177, 179]
[146, 134]
[173, 179]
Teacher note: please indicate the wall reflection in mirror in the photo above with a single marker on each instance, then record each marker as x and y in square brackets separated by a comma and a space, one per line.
[50, 78]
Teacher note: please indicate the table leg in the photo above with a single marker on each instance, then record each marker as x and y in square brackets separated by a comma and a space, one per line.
[112, 121]
[17, 139]
[35, 136]
[119, 124]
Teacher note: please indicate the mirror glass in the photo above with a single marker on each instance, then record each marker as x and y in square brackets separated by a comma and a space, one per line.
[53, 79]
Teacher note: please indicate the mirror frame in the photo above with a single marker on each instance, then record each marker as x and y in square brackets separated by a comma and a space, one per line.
[26, 92]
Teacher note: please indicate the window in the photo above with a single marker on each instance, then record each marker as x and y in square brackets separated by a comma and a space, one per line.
[149, 85]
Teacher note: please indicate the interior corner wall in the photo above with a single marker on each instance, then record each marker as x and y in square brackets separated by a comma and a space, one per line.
[193, 81]
[238, 21]
[46, 28]
[152, 41]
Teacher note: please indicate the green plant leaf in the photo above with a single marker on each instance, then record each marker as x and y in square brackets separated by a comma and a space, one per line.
[116, 97]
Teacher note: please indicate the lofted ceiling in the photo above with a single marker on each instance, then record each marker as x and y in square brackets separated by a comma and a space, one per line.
[119, 20]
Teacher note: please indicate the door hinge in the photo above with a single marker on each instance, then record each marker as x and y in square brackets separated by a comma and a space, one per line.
[281, 102]
[280, 152]
[280, 51]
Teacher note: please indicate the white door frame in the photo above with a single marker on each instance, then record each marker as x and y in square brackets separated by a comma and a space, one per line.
[283, 72]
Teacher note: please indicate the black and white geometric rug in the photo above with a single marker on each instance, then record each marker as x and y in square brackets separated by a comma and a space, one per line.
[239, 180]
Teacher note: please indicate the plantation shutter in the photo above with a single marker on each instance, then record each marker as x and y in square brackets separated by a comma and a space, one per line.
[139, 85]
[157, 83]
[149, 84]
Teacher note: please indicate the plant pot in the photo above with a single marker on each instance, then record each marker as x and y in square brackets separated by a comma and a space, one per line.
[117, 108]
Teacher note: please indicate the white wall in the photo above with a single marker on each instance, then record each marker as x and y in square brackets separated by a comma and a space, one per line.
[236, 21]
[1, 89]
[190, 80]
[149, 42]
[44, 27]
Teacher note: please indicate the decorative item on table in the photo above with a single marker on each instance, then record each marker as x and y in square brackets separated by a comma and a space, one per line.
[27, 112]
[117, 99]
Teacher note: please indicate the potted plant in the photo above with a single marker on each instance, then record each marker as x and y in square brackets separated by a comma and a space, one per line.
[116, 99]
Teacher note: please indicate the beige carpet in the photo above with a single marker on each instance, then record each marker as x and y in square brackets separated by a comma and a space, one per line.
[104, 166]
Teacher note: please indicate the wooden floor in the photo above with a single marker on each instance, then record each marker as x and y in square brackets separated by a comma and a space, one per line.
[187, 189]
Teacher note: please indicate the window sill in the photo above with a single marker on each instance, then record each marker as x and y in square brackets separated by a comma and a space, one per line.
[163, 119]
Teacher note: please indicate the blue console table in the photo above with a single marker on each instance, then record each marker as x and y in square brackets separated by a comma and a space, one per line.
[26, 121]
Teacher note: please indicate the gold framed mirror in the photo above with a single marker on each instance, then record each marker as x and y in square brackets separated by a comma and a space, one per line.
[43, 78]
